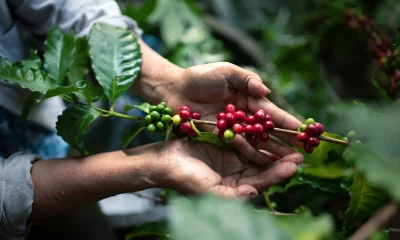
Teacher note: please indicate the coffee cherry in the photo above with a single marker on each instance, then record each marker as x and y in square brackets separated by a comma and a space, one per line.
[155, 116]
[264, 137]
[151, 128]
[312, 130]
[269, 126]
[163, 103]
[237, 128]
[240, 116]
[254, 140]
[302, 128]
[185, 126]
[308, 148]
[222, 125]
[229, 135]
[268, 118]
[160, 108]
[312, 141]
[166, 119]
[196, 115]
[147, 118]
[221, 115]
[301, 137]
[176, 120]
[248, 129]
[310, 121]
[230, 119]
[321, 127]
[259, 116]
[221, 132]
[160, 125]
[258, 129]
[192, 132]
[250, 120]
[184, 108]
[168, 111]
[230, 108]
[352, 135]
[153, 108]
[184, 114]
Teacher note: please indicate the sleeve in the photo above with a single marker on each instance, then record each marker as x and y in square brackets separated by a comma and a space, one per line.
[76, 15]
[16, 195]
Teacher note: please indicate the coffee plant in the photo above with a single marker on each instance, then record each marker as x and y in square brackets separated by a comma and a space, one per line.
[347, 187]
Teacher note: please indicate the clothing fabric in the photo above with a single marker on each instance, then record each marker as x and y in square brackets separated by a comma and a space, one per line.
[20, 19]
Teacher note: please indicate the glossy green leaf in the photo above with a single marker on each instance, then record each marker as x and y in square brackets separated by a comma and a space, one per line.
[59, 54]
[80, 63]
[327, 185]
[152, 229]
[305, 227]
[208, 137]
[116, 58]
[332, 171]
[73, 123]
[324, 151]
[143, 106]
[4, 62]
[33, 62]
[210, 217]
[27, 78]
[131, 134]
[366, 200]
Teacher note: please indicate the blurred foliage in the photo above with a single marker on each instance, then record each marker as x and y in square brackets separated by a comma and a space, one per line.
[319, 62]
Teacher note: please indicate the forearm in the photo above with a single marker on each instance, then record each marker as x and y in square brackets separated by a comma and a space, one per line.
[64, 184]
[158, 76]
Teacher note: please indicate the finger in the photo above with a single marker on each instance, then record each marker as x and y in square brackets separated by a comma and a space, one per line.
[242, 192]
[296, 158]
[246, 81]
[270, 176]
[276, 148]
[250, 153]
[281, 118]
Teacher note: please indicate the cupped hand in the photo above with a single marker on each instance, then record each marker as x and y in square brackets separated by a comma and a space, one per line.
[209, 88]
[194, 167]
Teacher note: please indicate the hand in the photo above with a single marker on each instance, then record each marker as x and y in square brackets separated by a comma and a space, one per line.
[208, 88]
[193, 167]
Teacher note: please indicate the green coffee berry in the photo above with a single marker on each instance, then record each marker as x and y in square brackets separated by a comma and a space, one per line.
[163, 103]
[229, 135]
[147, 118]
[351, 135]
[166, 119]
[155, 116]
[168, 110]
[160, 108]
[303, 128]
[160, 125]
[153, 108]
[151, 128]
[310, 121]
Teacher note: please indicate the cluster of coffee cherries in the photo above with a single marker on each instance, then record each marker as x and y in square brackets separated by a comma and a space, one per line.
[159, 118]
[182, 121]
[255, 127]
[309, 134]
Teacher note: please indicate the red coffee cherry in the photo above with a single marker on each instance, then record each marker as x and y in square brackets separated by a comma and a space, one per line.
[221, 132]
[237, 128]
[230, 119]
[264, 137]
[221, 115]
[312, 130]
[185, 126]
[268, 118]
[269, 126]
[308, 148]
[230, 108]
[259, 116]
[184, 108]
[248, 129]
[301, 137]
[184, 114]
[222, 125]
[321, 128]
[192, 132]
[196, 115]
[312, 141]
[240, 116]
[254, 140]
[258, 129]
[250, 120]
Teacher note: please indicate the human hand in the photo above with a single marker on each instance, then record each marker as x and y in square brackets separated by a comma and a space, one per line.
[193, 167]
[209, 88]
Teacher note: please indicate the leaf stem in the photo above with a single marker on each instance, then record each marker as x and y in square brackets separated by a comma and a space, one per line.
[116, 114]
[287, 131]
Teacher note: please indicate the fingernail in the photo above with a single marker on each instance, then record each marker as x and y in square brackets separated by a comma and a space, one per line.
[265, 89]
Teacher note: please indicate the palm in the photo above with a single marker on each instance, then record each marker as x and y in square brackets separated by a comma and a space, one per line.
[202, 167]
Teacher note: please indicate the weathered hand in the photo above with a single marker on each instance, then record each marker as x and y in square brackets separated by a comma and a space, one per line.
[208, 88]
[193, 167]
